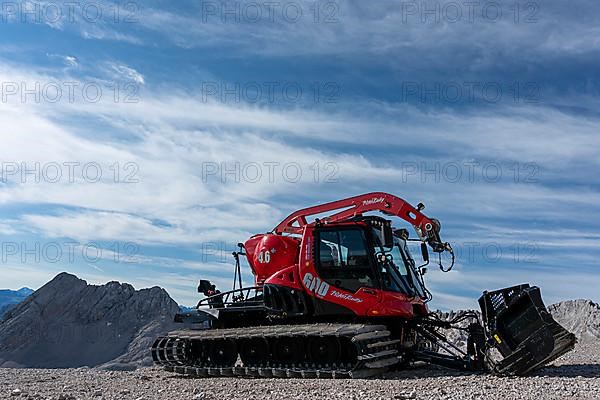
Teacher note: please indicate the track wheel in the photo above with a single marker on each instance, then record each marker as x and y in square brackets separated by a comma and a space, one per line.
[254, 352]
[222, 353]
[289, 351]
[324, 350]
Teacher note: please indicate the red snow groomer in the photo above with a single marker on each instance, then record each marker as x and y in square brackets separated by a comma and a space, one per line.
[342, 296]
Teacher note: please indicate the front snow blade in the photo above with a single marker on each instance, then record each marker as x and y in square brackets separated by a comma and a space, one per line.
[520, 327]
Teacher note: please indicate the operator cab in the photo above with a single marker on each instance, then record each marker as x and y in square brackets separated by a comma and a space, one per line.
[367, 255]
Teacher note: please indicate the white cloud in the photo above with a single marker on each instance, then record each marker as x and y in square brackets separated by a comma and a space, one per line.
[68, 60]
[95, 32]
[100, 21]
[476, 39]
[178, 136]
[8, 228]
[71, 61]
[87, 226]
[128, 73]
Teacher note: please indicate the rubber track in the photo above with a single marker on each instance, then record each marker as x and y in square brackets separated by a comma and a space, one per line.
[374, 348]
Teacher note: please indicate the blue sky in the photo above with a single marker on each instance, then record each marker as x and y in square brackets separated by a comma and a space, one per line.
[486, 113]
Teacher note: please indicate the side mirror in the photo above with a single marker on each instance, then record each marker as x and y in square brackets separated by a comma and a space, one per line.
[383, 230]
[388, 235]
[424, 252]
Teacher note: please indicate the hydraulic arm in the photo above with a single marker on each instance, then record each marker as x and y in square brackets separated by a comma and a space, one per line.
[426, 228]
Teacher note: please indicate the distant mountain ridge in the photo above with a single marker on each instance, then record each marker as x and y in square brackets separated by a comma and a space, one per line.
[10, 298]
[68, 323]
[582, 317]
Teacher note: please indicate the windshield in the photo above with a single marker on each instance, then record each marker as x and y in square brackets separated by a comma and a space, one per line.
[399, 271]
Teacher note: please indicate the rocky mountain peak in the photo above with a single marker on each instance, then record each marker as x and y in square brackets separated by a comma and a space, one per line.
[69, 323]
[63, 278]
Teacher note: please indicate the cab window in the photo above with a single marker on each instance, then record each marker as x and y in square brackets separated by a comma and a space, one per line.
[343, 259]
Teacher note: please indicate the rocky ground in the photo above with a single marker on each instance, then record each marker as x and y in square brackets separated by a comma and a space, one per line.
[574, 376]
[55, 327]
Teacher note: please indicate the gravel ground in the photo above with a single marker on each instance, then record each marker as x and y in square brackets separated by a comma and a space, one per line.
[574, 376]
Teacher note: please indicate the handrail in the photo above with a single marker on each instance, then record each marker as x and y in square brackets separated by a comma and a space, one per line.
[229, 298]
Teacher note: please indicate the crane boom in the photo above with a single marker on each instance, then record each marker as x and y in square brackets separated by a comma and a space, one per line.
[427, 228]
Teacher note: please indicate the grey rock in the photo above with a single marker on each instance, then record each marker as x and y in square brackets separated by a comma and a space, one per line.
[582, 317]
[68, 323]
